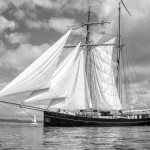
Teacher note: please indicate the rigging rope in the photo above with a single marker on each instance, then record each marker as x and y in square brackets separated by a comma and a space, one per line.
[133, 94]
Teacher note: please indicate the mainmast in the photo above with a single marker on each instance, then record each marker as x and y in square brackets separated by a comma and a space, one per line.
[120, 56]
[120, 48]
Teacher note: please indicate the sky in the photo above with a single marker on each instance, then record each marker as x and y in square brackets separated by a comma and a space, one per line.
[29, 27]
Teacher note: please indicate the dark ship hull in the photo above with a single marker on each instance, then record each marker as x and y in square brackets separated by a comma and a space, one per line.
[60, 119]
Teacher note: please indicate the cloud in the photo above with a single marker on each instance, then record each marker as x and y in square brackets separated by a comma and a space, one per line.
[24, 14]
[2, 47]
[58, 5]
[22, 57]
[3, 5]
[70, 6]
[61, 6]
[4, 24]
[61, 24]
[37, 24]
[19, 14]
[17, 3]
[45, 3]
[18, 38]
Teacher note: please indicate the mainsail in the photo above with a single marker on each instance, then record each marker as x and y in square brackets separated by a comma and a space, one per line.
[104, 91]
[38, 75]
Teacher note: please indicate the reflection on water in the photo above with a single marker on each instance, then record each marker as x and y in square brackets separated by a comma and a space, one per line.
[119, 138]
[26, 136]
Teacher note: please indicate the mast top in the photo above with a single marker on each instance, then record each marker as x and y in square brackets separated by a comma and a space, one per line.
[88, 23]
[121, 2]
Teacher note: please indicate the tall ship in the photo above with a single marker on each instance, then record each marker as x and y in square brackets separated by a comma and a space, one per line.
[86, 88]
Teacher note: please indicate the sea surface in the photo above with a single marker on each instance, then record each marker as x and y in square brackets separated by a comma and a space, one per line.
[22, 136]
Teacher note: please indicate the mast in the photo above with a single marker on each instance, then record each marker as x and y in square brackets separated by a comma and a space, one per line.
[120, 48]
[89, 46]
[88, 52]
[120, 56]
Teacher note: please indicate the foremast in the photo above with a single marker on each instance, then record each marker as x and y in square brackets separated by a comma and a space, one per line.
[88, 46]
[88, 67]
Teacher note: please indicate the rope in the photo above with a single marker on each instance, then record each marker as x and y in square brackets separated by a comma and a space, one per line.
[27, 112]
[130, 74]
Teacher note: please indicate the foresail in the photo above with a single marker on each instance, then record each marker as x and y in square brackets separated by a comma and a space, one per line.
[57, 102]
[38, 75]
[104, 91]
[78, 96]
[38, 95]
[60, 80]
[69, 84]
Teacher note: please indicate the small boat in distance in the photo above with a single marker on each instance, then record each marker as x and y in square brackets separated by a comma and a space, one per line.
[34, 121]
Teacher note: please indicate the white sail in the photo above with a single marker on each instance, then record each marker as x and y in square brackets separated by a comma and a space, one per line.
[69, 85]
[38, 75]
[104, 91]
[57, 102]
[60, 81]
[38, 95]
[78, 96]
[34, 119]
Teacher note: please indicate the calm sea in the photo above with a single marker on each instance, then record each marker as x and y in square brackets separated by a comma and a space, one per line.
[19, 136]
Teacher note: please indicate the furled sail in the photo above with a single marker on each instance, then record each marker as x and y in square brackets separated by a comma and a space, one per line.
[38, 75]
[104, 91]
[78, 96]
[60, 80]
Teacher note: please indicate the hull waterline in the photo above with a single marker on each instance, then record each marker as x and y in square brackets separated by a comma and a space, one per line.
[59, 119]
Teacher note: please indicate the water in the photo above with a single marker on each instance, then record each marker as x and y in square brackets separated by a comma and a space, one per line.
[15, 136]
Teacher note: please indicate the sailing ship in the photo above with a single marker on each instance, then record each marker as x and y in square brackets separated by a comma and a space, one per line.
[81, 90]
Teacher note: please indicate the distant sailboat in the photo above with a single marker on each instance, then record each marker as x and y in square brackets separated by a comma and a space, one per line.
[34, 121]
[81, 89]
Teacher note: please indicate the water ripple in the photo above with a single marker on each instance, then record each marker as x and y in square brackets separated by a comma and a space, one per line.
[27, 137]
